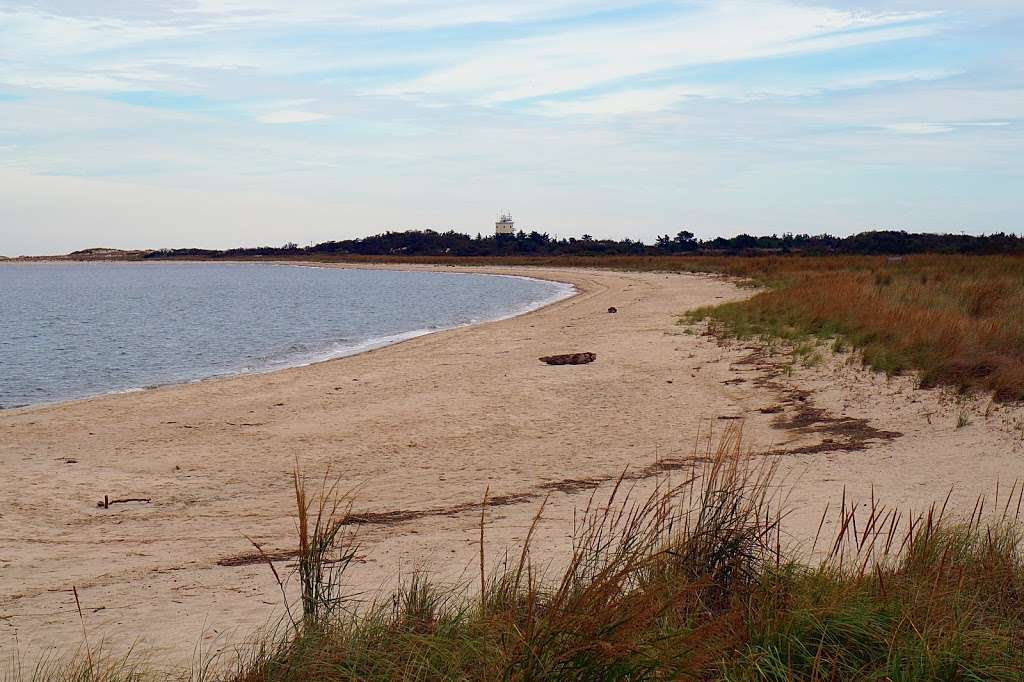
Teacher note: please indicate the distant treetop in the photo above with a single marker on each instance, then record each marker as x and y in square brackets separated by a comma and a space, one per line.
[451, 243]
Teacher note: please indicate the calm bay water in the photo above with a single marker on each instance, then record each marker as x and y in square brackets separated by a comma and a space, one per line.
[72, 330]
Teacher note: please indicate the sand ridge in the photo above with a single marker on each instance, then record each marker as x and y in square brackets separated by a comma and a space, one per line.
[419, 430]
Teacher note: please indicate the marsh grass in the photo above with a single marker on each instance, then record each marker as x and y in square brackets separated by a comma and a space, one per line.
[692, 581]
[955, 320]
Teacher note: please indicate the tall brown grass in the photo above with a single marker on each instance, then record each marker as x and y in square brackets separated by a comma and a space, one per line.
[692, 582]
[956, 320]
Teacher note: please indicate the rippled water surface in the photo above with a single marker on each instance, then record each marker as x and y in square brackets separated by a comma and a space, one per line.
[72, 330]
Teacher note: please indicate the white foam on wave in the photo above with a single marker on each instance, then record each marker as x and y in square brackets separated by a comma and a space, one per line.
[342, 349]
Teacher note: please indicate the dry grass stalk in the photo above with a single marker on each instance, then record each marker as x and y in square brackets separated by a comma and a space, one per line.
[690, 581]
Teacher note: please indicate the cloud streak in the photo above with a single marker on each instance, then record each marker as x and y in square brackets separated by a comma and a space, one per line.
[291, 116]
[712, 33]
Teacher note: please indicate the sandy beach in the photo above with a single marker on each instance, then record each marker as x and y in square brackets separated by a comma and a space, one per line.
[419, 430]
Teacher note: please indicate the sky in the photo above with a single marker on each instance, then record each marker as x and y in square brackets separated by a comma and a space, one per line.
[220, 123]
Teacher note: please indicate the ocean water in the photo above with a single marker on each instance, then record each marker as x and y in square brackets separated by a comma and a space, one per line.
[72, 330]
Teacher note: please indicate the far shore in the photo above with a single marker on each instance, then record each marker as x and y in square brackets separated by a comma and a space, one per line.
[419, 430]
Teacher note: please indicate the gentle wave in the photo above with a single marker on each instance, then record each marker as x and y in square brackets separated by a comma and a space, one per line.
[342, 349]
[73, 331]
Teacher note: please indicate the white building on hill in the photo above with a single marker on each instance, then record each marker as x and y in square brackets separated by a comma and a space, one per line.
[505, 224]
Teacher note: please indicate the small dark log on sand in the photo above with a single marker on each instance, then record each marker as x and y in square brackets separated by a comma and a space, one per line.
[569, 359]
[106, 501]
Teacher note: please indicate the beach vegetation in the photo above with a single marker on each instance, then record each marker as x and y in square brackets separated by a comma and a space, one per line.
[693, 581]
[954, 320]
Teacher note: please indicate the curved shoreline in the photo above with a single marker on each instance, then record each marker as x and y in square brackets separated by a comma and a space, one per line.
[214, 457]
[367, 346]
[420, 430]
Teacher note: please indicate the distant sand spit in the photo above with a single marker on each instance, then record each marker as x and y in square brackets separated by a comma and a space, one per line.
[421, 429]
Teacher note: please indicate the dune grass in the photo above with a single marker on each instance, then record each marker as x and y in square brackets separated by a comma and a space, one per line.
[692, 582]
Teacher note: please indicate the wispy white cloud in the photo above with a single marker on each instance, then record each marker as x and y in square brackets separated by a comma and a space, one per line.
[708, 33]
[73, 51]
[629, 101]
[918, 128]
[660, 98]
[386, 14]
[291, 116]
[862, 80]
[26, 33]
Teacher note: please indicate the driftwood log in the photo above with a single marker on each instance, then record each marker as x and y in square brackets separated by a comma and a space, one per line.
[569, 359]
[106, 501]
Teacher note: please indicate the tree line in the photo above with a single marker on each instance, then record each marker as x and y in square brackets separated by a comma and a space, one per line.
[452, 243]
